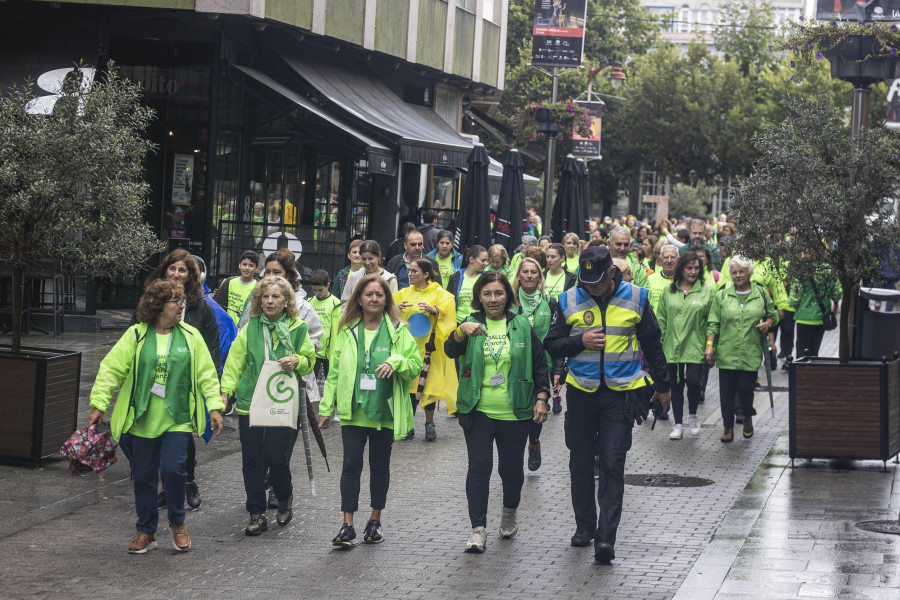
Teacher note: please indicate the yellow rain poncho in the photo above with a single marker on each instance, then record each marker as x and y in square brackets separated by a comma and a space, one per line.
[442, 381]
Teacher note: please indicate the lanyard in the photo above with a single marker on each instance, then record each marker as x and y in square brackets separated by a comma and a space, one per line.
[368, 354]
[490, 345]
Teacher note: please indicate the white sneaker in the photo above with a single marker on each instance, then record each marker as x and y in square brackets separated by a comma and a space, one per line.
[477, 540]
[694, 425]
[509, 526]
[676, 432]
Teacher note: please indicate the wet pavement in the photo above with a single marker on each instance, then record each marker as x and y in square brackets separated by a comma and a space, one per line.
[760, 530]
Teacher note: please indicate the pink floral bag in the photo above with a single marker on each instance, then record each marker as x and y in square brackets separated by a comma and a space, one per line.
[89, 450]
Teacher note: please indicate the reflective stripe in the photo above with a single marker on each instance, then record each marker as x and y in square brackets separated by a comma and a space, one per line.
[572, 306]
[626, 304]
[585, 382]
[595, 357]
[622, 381]
[610, 330]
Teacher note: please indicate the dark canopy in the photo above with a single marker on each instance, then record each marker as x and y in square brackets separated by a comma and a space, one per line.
[511, 205]
[473, 225]
[567, 210]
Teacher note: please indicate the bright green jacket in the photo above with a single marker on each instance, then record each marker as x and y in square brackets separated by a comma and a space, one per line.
[241, 359]
[342, 376]
[682, 322]
[764, 273]
[640, 274]
[657, 284]
[119, 368]
[803, 300]
[739, 342]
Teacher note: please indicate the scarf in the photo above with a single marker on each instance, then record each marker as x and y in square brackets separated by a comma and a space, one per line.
[178, 367]
[281, 330]
[375, 403]
[529, 302]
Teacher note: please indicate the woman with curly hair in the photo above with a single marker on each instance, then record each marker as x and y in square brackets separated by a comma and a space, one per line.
[163, 365]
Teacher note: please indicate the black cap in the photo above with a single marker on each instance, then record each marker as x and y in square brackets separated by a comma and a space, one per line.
[594, 264]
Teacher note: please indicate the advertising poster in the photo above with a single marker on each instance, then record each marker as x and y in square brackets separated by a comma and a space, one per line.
[183, 179]
[589, 147]
[178, 222]
[854, 10]
[893, 105]
[558, 33]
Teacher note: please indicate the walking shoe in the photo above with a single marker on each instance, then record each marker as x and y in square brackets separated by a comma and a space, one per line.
[664, 416]
[372, 533]
[181, 541]
[604, 552]
[346, 536]
[285, 512]
[582, 538]
[557, 405]
[509, 526]
[258, 524]
[782, 354]
[534, 456]
[142, 543]
[272, 501]
[677, 432]
[161, 499]
[476, 541]
[694, 425]
[728, 436]
[410, 435]
[739, 419]
[230, 409]
[430, 432]
[192, 495]
[596, 467]
[748, 427]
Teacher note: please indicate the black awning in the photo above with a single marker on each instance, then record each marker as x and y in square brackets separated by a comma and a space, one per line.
[304, 102]
[423, 136]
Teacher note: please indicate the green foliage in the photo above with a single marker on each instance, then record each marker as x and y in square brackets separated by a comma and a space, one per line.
[71, 183]
[813, 198]
[690, 201]
[745, 33]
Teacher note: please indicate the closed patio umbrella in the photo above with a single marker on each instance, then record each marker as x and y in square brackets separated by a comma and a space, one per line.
[511, 205]
[566, 211]
[473, 226]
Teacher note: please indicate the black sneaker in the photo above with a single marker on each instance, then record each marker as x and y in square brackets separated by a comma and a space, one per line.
[230, 409]
[272, 501]
[346, 537]
[410, 435]
[285, 512]
[664, 416]
[582, 538]
[258, 524]
[557, 405]
[161, 499]
[372, 533]
[534, 456]
[192, 495]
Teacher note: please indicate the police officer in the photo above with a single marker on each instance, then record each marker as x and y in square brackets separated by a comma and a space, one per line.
[597, 325]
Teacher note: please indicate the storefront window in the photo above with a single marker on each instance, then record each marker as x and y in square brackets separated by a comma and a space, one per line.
[445, 185]
[328, 189]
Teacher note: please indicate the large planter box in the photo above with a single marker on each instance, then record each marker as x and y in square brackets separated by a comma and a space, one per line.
[39, 406]
[849, 410]
[846, 65]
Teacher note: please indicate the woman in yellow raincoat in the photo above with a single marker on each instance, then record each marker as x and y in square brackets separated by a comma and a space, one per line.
[426, 297]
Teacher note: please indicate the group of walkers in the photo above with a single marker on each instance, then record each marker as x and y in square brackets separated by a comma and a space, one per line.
[625, 322]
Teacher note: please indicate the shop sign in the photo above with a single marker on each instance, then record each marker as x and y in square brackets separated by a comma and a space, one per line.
[589, 147]
[381, 164]
[558, 31]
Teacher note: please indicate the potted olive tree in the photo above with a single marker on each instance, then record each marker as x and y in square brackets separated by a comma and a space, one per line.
[813, 200]
[72, 191]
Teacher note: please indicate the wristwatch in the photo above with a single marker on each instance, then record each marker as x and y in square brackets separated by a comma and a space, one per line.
[547, 400]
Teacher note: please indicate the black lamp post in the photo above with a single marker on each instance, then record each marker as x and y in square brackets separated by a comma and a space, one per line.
[543, 122]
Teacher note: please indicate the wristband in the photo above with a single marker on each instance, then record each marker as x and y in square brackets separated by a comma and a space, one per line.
[709, 343]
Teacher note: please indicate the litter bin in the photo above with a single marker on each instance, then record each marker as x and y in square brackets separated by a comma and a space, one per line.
[877, 332]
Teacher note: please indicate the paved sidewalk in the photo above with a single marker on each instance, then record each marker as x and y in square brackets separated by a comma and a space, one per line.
[67, 537]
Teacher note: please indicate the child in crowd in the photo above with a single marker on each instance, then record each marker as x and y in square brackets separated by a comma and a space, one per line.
[328, 307]
[233, 293]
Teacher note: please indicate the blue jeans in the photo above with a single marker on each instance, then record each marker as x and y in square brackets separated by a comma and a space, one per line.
[152, 458]
[595, 423]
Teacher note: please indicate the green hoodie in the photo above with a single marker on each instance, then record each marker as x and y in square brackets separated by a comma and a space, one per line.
[682, 322]
[343, 375]
[733, 318]
[119, 367]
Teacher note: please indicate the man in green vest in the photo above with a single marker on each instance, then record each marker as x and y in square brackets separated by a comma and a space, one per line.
[659, 281]
[619, 244]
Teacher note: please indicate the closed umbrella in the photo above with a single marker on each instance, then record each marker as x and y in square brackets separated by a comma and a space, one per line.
[565, 211]
[473, 225]
[584, 204]
[511, 205]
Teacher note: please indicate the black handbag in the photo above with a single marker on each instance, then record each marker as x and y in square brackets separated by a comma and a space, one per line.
[829, 320]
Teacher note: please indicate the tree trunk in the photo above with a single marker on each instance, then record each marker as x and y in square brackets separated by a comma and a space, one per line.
[845, 344]
[18, 293]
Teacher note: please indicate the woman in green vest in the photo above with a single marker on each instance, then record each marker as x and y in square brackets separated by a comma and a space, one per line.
[162, 366]
[503, 370]
[538, 306]
[463, 281]
[373, 360]
[741, 315]
[682, 314]
[276, 330]
[557, 278]
[572, 243]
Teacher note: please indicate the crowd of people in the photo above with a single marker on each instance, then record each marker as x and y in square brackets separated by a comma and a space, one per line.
[624, 322]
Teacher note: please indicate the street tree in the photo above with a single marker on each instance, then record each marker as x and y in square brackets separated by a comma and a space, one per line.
[72, 185]
[692, 201]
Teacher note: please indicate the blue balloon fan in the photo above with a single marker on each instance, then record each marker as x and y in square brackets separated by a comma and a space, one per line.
[419, 325]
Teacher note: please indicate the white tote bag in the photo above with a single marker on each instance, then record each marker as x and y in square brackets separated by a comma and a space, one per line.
[276, 397]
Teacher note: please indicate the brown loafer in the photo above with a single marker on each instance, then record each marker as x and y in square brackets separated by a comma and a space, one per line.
[728, 436]
[748, 427]
[181, 541]
[142, 543]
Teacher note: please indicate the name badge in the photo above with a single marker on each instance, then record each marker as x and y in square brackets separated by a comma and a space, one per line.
[158, 389]
[497, 379]
[368, 382]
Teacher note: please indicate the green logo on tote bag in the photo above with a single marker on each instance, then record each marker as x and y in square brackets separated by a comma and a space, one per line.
[277, 390]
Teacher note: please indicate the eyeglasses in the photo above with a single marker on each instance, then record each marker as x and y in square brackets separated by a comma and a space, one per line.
[179, 302]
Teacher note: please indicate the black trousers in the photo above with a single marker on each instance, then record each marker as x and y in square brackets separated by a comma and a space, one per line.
[736, 383]
[786, 331]
[481, 433]
[679, 375]
[380, 442]
[265, 448]
[809, 337]
[534, 432]
[595, 423]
